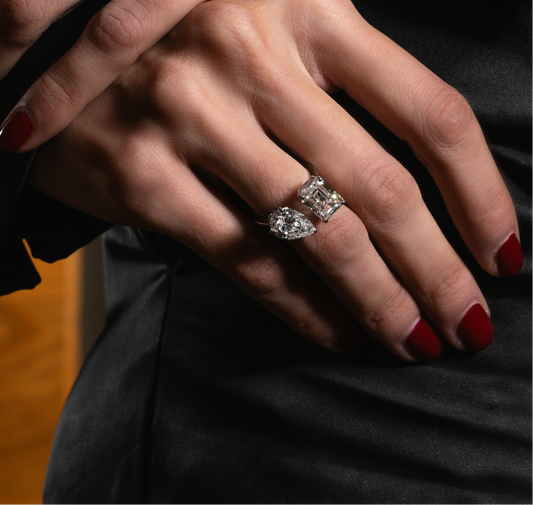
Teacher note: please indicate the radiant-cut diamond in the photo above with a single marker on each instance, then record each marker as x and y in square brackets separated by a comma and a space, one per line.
[320, 197]
[289, 224]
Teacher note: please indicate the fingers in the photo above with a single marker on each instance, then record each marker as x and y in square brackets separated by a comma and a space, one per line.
[147, 186]
[385, 198]
[341, 253]
[263, 267]
[21, 23]
[410, 274]
[112, 41]
[442, 130]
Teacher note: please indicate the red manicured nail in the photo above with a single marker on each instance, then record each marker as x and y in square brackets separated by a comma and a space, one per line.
[509, 257]
[475, 329]
[423, 343]
[16, 131]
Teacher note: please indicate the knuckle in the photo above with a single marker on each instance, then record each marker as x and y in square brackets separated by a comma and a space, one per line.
[21, 21]
[448, 117]
[447, 283]
[389, 192]
[495, 206]
[311, 326]
[337, 244]
[198, 129]
[57, 93]
[390, 308]
[115, 30]
[229, 27]
[259, 277]
[170, 77]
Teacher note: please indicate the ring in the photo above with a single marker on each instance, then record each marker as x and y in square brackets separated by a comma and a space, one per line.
[289, 224]
[320, 197]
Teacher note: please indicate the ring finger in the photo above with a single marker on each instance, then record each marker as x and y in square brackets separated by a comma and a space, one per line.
[386, 198]
[341, 253]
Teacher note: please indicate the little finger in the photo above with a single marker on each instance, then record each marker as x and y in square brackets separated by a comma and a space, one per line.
[341, 253]
[158, 192]
[387, 200]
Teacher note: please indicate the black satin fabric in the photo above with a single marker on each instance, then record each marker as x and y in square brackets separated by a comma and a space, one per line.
[52, 230]
[195, 394]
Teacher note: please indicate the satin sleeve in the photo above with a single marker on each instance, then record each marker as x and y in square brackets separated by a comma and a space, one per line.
[51, 229]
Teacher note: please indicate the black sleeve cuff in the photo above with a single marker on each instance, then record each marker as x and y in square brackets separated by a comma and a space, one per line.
[52, 230]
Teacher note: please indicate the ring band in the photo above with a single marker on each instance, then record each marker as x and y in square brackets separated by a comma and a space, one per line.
[320, 197]
[289, 224]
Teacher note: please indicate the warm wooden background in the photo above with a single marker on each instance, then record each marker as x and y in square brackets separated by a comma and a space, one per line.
[39, 359]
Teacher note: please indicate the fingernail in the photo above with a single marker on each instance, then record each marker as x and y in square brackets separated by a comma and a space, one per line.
[16, 131]
[423, 343]
[509, 257]
[475, 330]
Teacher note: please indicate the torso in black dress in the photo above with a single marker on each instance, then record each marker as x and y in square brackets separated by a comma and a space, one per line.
[196, 394]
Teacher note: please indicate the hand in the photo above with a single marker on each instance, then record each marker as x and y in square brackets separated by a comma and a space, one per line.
[111, 42]
[200, 115]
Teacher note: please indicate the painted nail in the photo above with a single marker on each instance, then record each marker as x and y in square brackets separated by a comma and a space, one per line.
[509, 257]
[475, 330]
[423, 343]
[16, 132]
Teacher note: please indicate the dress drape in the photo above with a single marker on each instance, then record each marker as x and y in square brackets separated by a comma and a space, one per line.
[195, 394]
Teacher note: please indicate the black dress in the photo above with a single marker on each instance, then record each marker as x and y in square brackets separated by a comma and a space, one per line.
[175, 406]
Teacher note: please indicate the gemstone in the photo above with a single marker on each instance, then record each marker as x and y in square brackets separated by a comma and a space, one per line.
[320, 197]
[289, 224]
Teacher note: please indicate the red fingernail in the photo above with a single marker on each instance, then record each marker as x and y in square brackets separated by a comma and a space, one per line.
[475, 329]
[16, 131]
[423, 343]
[509, 257]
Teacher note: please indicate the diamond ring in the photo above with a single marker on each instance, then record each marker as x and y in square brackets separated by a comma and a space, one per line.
[320, 197]
[289, 224]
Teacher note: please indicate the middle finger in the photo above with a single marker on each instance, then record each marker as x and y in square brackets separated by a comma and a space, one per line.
[341, 253]
[387, 200]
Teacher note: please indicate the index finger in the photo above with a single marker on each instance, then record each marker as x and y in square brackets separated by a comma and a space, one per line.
[111, 42]
[440, 126]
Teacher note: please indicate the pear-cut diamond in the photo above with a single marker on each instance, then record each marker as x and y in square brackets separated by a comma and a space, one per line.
[320, 197]
[289, 224]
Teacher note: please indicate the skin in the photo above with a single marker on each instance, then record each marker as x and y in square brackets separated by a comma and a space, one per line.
[200, 117]
[111, 42]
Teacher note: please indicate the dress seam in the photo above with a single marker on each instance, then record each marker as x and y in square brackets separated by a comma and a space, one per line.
[147, 456]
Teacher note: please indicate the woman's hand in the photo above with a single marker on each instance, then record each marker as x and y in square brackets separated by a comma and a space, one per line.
[200, 117]
[111, 42]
